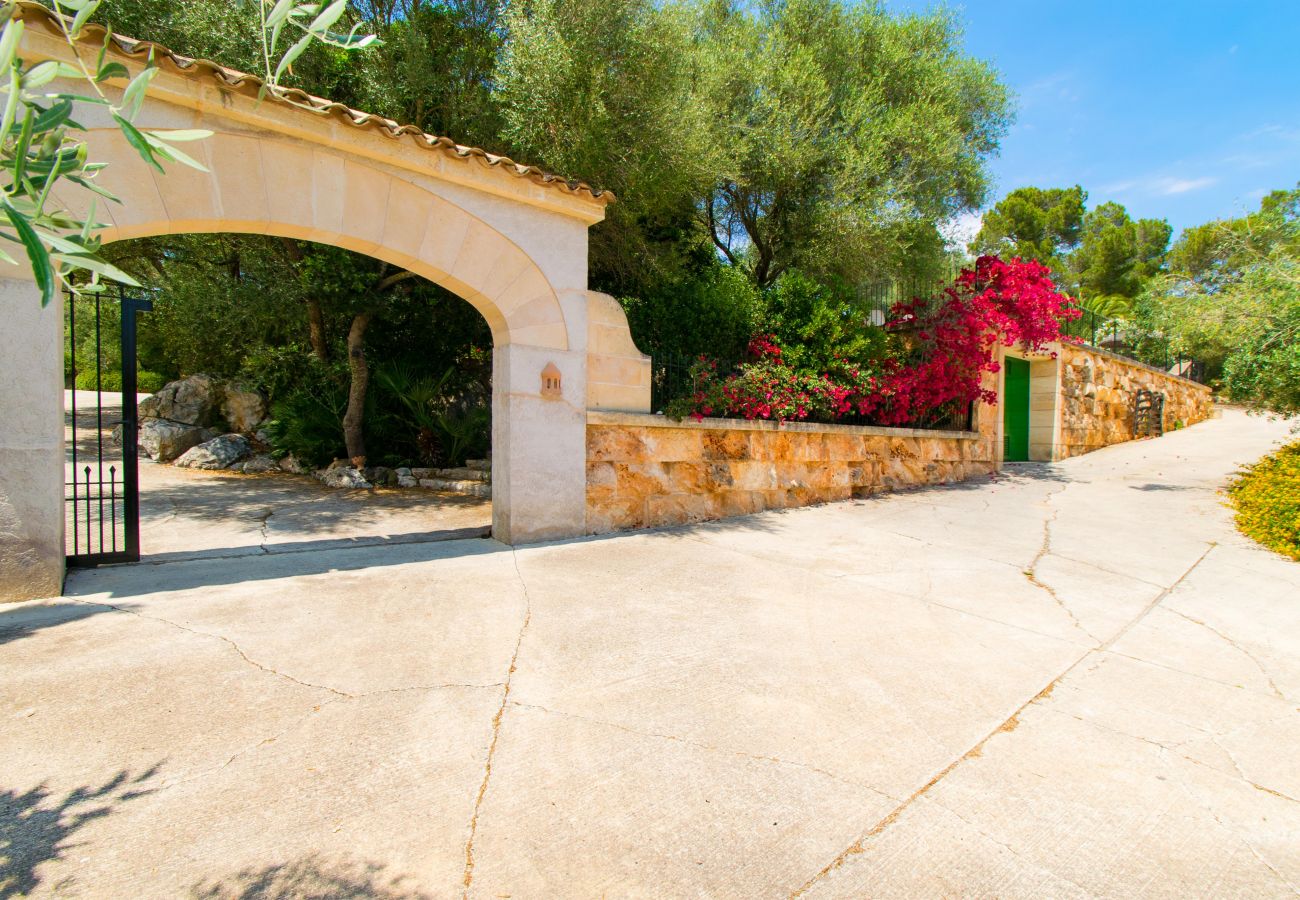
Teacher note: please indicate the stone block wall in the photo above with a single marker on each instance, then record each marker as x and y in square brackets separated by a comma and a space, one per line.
[1096, 401]
[647, 470]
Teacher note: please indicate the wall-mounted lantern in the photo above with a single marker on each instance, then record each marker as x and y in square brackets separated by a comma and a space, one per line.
[551, 382]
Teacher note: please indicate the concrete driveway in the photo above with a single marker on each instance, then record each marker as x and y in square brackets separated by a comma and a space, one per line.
[1076, 680]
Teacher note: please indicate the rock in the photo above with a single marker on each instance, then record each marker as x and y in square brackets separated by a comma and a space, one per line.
[260, 465]
[422, 473]
[462, 473]
[218, 453]
[116, 437]
[482, 465]
[403, 472]
[238, 468]
[340, 464]
[164, 441]
[291, 465]
[342, 477]
[190, 401]
[244, 408]
[407, 481]
[263, 437]
[471, 488]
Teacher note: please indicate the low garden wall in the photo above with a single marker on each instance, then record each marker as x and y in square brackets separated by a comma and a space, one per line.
[647, 470]
[1097, 392]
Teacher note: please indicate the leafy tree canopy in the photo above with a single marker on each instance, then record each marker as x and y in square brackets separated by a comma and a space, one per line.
[1116, 255]
[1232, 300]
[1034, 223]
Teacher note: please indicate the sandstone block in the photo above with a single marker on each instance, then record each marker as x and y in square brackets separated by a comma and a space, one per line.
[725, 445]
[615, 514]
[673, 444]
[614, 442]
[680, 509]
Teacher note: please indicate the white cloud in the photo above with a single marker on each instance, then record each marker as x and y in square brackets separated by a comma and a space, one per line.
[1118, 187]
[961, 229]
[1170, 186]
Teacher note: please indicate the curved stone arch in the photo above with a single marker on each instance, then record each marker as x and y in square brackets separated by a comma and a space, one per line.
[263, 185]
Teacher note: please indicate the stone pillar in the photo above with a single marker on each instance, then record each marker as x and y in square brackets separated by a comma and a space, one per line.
[539, 444]
[31, 444]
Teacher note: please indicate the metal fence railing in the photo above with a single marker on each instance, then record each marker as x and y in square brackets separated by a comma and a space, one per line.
[1127, 340]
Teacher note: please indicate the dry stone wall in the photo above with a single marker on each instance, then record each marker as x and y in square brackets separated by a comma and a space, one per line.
[647, 471]
[1097, 393]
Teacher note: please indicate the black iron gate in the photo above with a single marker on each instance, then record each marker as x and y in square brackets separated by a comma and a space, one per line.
[102, 497]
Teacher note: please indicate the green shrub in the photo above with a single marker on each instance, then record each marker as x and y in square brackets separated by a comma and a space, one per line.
[713, 313]
[819, 322]
[111, 380]
[1267, 499]
[434, 420]
[149, 382]
[307, 421]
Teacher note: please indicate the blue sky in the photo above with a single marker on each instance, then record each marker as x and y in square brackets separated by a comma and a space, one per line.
[1185, 110]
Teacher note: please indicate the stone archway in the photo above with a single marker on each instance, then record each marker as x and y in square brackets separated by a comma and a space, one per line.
[510, 240]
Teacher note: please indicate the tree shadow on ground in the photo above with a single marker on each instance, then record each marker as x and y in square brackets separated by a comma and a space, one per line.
[36, 829]
[310, 878]
[16, 624]
[138, 579]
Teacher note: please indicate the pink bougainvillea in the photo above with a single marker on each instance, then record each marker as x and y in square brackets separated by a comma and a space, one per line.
[951, 341]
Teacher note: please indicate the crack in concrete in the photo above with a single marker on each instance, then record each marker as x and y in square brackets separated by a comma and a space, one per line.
[1234, 645]
[1232, 832]
[710, 748]
[342, 695]
[300, 720]
[468, 877]
[262, 525]
[1012, 850]
[1044, 550]
[1010, 724]
[234, 646]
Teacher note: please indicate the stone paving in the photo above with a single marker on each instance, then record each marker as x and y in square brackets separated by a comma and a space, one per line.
[1074, 680]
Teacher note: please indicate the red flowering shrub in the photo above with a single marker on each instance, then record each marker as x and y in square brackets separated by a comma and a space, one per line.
[950, 341]
[1011, 303]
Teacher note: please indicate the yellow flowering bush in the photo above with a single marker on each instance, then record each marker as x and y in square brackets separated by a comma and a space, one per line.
[1267, 498]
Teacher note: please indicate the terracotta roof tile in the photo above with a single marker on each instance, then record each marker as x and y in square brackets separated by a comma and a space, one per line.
[250, 85]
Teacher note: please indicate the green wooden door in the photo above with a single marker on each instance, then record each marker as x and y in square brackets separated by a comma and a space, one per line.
[1015, 410]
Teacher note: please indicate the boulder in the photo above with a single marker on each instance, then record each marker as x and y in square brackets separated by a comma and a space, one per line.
[260, 464]
[218, 453]
[407, 481]
[380, 476]
[191, 401]
[462, 473]
[470, 488]
[291, 465]
[164, 441]
[342, 477]
[243, 407]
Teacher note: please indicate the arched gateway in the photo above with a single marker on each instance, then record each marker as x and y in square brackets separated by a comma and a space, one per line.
[509, 239]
